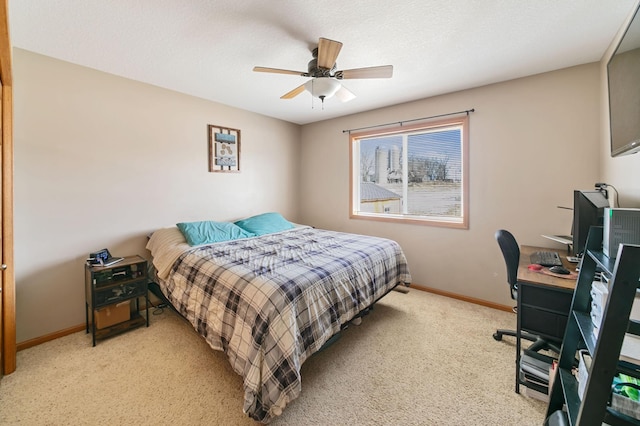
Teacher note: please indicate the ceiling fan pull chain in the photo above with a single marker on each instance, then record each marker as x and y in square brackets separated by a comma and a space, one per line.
[312, 107]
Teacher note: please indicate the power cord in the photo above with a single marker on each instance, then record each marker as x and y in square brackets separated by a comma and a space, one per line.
[602, 187]
[157, 309]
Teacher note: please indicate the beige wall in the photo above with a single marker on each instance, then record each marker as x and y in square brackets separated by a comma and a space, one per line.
[100, 161]
[621, 172]
[532, 142]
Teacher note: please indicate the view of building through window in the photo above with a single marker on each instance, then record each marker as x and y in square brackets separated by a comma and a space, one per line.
[416, 174]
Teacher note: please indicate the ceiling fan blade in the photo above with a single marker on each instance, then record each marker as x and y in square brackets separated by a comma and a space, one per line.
[344, 94]
[279, 71]
[328, 51]
[295, 92]
[383, 71]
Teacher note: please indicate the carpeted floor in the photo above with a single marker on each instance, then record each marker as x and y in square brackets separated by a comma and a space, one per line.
[417, 359]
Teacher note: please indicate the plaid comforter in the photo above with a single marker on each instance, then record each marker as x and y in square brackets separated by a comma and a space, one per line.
[272, 301]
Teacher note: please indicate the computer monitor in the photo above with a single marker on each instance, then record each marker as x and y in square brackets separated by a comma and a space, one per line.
[588, 211]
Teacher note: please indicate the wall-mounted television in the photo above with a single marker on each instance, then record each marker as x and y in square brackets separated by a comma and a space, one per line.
[623, 75]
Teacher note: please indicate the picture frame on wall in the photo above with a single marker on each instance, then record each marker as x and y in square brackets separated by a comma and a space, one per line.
[224, 149]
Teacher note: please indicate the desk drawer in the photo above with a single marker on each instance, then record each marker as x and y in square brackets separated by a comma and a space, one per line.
[544, 310]
[546, 298]
[547, 324]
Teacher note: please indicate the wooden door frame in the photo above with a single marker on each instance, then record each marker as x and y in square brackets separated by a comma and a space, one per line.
[8, 295]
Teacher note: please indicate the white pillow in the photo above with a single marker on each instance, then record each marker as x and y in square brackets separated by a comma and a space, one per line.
[166, 245]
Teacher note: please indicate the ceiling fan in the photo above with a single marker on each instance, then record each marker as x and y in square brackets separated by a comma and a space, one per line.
[326, 78]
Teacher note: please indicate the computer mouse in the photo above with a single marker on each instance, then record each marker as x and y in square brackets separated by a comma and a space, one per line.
[559, 270]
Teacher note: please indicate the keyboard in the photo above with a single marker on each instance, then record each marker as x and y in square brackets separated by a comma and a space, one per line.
[546, 258]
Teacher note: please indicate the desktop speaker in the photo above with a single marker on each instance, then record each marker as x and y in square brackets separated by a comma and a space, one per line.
[620, 226]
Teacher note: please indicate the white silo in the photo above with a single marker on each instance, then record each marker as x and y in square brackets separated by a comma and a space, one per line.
[395, 158]
[382, 160]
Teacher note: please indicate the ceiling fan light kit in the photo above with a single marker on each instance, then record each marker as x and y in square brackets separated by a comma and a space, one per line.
[322, 87]
[325, 78]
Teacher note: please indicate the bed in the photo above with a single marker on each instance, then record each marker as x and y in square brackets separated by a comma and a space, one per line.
[270, 301]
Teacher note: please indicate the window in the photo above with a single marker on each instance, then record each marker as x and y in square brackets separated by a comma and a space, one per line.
[416, 174]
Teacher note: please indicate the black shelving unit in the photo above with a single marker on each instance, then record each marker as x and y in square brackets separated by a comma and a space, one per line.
[623, 273]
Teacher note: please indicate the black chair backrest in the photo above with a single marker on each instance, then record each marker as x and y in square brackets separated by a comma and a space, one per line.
[511, 253]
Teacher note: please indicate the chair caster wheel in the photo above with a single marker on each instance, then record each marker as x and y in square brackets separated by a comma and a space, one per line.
[497, 336]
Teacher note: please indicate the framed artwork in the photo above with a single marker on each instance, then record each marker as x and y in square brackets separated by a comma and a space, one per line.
[224, 149]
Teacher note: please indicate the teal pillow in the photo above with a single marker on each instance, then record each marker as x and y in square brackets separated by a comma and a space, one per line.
[265, 223]
[208, 231]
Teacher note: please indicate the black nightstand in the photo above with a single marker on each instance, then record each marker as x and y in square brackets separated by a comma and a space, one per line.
[109, 291]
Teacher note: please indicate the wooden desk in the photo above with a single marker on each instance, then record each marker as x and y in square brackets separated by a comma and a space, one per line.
[544, 302]
[534, 277]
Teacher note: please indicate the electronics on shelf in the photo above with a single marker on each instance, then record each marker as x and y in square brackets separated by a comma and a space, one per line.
[621, 226]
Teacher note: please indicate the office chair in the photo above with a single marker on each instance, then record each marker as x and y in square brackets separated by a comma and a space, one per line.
[511, 253]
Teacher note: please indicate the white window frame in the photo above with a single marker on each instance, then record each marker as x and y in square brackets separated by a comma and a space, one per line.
[354, 165]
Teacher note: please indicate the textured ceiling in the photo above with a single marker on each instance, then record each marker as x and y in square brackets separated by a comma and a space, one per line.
[208, 48]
